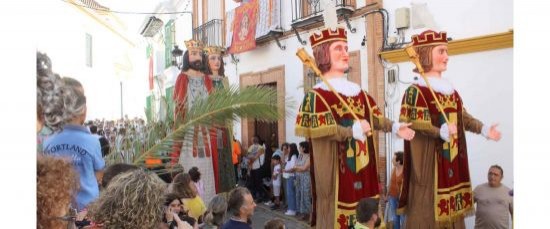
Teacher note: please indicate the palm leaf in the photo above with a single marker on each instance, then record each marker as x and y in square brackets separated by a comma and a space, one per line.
[220, 107]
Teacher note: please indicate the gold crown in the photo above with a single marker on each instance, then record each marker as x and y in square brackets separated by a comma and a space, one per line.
[340, 34]
[429, 37]
[193, 44]
[214, 50]
[355, 106]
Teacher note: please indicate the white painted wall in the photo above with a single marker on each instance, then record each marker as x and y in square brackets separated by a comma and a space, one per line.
[461, 19]
[64, 42]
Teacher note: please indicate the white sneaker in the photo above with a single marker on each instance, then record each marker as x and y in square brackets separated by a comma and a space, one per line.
[268, 203]
[290, 212]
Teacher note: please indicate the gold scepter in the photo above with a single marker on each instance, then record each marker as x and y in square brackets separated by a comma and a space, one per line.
[308, 60]
[416, 60]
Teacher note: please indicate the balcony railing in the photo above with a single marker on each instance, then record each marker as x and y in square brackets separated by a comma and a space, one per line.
[345, 3]
[311, 10]
[210, 33]
[268, 20]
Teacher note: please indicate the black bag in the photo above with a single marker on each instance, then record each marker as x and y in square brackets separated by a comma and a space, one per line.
[266, 166]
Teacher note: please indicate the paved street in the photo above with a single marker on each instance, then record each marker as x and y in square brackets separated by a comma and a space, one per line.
[264, 214]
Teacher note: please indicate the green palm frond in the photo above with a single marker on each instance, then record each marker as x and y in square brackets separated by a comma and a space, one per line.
[229, 104]
[221, 107]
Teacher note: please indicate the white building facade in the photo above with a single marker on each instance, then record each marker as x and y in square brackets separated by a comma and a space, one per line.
[96, 48]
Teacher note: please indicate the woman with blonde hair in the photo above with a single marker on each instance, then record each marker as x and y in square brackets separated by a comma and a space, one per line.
[213, 218]
[186, 189]
[131, 200]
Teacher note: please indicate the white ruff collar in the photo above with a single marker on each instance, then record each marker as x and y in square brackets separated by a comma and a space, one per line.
[440, 85]
[341, 85]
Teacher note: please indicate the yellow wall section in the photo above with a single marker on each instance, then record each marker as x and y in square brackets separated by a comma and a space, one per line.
[462, 46]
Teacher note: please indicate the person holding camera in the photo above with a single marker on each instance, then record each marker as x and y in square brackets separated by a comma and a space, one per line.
[174, 215]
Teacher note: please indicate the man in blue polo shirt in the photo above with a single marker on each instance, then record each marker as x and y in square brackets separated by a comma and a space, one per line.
[76, 143]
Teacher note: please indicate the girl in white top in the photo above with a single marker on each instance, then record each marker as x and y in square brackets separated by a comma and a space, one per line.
[290, 160]
[289, 165]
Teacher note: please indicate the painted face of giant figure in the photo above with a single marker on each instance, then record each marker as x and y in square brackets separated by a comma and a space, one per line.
[195, 60]
[330, 50]
[339, 57]
[431, 48]
[214, 62]
[439, 58]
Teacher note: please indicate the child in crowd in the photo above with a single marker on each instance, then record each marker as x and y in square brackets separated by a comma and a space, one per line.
[276, 179]
[275, 224]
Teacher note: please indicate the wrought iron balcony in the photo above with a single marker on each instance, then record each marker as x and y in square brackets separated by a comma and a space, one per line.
[269, 18]
[345, 6]
[210, 33]
[306, 12]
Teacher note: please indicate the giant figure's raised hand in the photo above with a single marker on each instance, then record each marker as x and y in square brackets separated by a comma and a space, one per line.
[494, 134]
[405, 132]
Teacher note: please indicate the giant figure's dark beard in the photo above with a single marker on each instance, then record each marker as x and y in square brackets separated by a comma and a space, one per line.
[196, 65]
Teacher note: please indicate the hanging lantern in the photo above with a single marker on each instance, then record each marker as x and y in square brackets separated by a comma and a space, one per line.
[177, 57]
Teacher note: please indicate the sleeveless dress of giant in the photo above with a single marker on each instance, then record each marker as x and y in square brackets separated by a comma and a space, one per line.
[222, 139]
[345, 169]
[436, 190]
[198, 150]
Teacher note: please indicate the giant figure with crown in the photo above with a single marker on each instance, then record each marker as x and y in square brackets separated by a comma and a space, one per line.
[345, 160]
[436, 191]
[221, 137]
[191, 86]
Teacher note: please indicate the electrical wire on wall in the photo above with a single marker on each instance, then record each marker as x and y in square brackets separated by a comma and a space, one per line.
[385, 27]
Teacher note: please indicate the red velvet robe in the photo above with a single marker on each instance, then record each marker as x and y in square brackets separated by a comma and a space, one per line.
[345, 169]
[435, 172]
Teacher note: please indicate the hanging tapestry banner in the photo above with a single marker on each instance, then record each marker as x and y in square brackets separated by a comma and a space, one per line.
[244, 28]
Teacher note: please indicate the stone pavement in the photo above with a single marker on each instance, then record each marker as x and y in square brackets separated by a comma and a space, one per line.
[263, 214]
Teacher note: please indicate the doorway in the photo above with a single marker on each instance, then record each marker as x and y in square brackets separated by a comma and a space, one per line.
[274, 132]
[267, 131]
